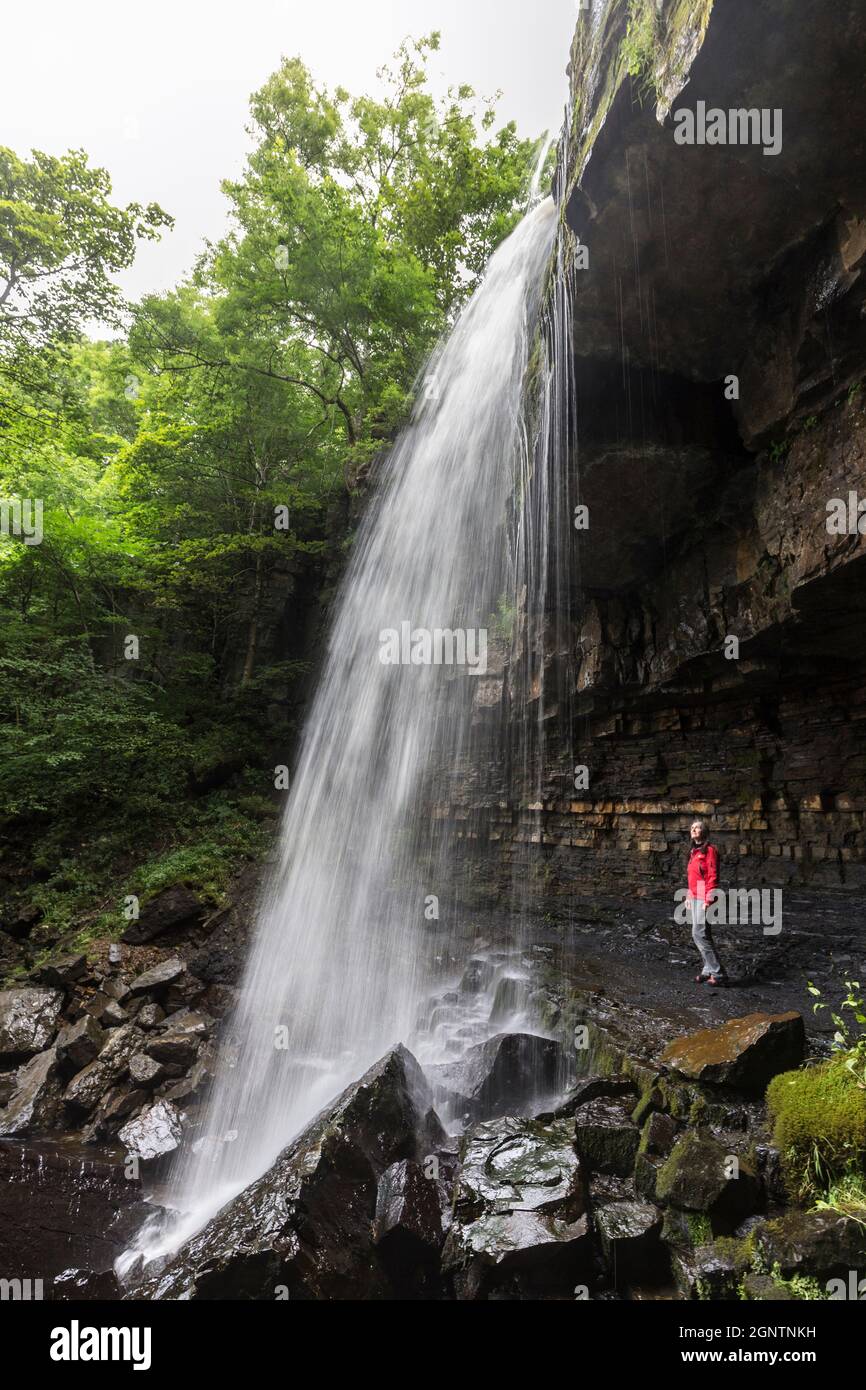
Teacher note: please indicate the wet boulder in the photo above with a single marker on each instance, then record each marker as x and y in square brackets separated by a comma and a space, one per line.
[145, 1071]
[520, 1200]
[201, 1075]
[172, 908]
[83, 1285]
[824, 1244]
[28, 1020]
[658, 1135]
[408, 1209]
[118, 1103]
[710, 1272]
[154, 1133]
[408, 1228]
[89, 1085]
[595, 1088]
[744, 1053]
[516, 1164]
[510, 1074]
[172, 1049]
[306, 1225]
[80, 1043]
[629, 1236]
[35, 1104]
[530, 1252]
[701, 1175]
[606, 1137]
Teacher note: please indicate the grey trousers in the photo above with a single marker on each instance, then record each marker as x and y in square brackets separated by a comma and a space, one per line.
[702, 937]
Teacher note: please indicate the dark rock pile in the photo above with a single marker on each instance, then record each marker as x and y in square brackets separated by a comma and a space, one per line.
[646, 1182]
[105, 1054]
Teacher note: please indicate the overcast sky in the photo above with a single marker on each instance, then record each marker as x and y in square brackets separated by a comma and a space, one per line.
[157, 92]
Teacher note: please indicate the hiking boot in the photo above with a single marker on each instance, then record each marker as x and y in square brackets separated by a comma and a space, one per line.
[701, 979]
[717, 981]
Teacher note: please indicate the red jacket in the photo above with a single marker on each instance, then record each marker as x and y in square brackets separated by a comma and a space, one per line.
[703, 871]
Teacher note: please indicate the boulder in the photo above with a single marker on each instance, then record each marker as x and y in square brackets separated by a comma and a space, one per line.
[80, 1043]
[408, 1229]
[149, 1016]
[658, 1135]
[173, 907]
[154, 1133]
[745, 1053]
[175, 1049]
[595, 1088]
[28, 1020]
[507, 1075]
[606, 1137]
[193, 1086]
[515, 1164]
[35, 1104]
[89, 1085]
[159, 977]
[86, 1088]
[701, 1175]
[532, 1251]
[145, 1070]
[762, 1288]
[113, 1015]
[821, 1243]
[307, 1223]
[646, 1175]
[408, 1209]
[61, 972]
[118, 1103]
[629, 1235]
[710, 1272]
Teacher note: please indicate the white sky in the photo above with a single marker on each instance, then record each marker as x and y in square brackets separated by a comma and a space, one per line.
[157, 91]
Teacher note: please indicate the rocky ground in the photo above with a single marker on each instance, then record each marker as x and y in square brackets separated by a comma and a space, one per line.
[562, 1154]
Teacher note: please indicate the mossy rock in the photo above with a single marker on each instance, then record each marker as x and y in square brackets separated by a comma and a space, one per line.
[745, 1053]
[646, 1176]
[699, 1176]
[763, 1288]
[710, 1272]
[819, 1118]
[605, 1137]
[687, 1229]
[823, 1244]
[658, 1135]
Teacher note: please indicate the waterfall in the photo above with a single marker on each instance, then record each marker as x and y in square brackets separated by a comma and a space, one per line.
[361, 909]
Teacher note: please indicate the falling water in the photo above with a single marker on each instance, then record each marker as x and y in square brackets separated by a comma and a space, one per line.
[347, 939]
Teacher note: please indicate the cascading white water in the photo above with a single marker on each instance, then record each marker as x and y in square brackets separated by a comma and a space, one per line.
[343, 950]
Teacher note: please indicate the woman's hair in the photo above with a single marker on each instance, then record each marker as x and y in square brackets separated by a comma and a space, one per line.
[701, 823]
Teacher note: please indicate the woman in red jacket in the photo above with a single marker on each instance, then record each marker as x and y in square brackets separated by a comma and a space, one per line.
[703, 873]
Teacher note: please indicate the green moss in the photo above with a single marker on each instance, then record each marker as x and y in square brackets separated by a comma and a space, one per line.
[819, 1125]
[802, 1286]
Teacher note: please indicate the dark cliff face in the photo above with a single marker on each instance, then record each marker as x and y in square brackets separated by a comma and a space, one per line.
[709, 496]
